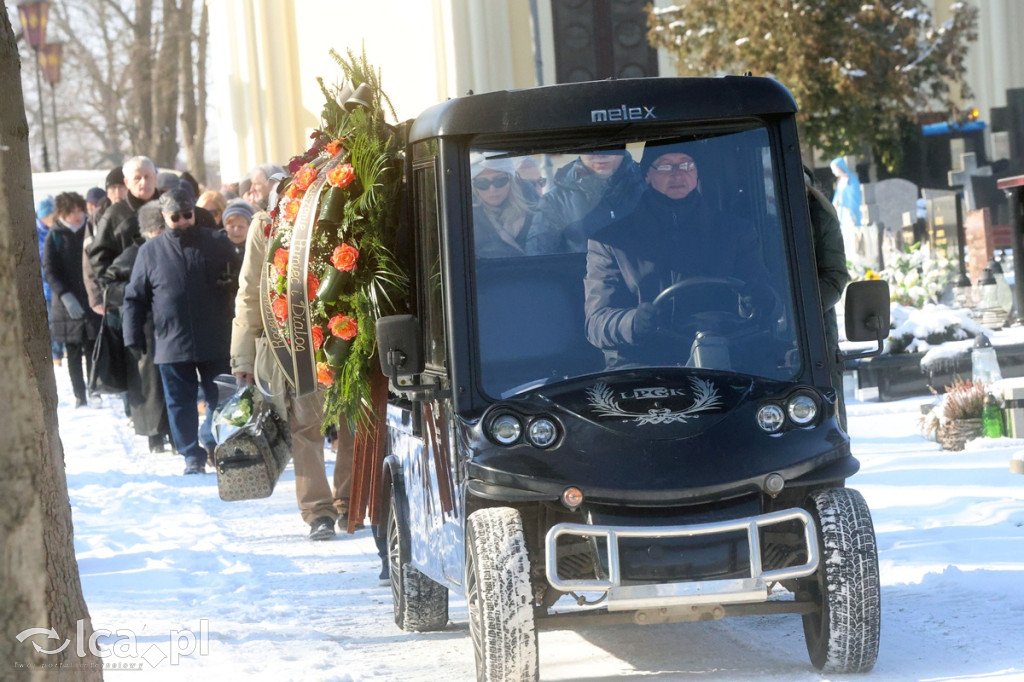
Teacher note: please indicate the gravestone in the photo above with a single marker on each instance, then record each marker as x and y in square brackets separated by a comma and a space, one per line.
[887, 201]
[982, 238]
[942, 230]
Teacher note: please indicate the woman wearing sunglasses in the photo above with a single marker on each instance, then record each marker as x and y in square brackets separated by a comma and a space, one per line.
[501, 216]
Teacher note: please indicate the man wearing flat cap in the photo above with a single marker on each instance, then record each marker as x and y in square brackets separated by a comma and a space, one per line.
[185, 278]
[674, 234]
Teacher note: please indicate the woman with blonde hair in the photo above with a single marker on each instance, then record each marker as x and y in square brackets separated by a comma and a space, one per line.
[501, 216]
[214, 202]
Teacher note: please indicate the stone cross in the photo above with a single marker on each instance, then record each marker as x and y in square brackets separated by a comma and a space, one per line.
[962, 177]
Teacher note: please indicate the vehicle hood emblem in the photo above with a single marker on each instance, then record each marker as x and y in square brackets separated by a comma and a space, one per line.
[604, 402]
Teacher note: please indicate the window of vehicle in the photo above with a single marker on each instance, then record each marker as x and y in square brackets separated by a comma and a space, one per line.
[664, 251]
[429, 256]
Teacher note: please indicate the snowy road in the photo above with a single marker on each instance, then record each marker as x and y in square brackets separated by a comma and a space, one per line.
[159, 552]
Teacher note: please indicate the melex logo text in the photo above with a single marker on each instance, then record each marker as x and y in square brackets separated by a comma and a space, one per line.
[121, 645]
[623, 113]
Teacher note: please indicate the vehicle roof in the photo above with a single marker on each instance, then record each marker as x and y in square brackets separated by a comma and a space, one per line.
[607, 103]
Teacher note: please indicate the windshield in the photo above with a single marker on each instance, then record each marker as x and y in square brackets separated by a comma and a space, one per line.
[663, 252]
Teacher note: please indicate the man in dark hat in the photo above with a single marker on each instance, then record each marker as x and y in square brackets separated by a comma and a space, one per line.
[672, 235]
[185, 278]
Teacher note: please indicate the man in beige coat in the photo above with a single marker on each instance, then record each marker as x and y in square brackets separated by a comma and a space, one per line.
[250, 358]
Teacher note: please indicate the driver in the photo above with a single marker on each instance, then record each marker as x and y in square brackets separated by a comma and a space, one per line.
[673, 235]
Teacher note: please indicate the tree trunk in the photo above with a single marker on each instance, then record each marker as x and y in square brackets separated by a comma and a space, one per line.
[142, 77]
[193, 94]
[39, 575]
[167, 86]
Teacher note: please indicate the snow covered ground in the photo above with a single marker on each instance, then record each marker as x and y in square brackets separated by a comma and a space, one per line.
[160, 553]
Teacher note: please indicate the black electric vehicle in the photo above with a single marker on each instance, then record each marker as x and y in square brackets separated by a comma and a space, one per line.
[555, 477]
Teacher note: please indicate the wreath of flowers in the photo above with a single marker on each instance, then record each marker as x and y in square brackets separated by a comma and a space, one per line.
[353, 276]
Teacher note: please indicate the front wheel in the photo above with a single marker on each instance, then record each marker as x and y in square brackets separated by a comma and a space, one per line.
[842, 634]
[499, 598]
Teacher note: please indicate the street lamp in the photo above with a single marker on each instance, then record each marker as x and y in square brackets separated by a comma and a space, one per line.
[33, 17]
[49, 59]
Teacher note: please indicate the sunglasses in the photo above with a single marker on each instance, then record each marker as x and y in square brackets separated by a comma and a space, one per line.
[184, 215]
[483, 184]
[539, 182]
[669, 167]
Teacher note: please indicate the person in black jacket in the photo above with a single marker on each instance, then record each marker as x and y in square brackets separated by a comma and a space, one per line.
[186, 278]
[74, 323]
[673, 235]
[588, 193]
[119, 226]
[145, 388]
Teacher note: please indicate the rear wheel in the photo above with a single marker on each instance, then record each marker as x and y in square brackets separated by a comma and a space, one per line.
[842, 634]
[421, 605]
[498, 597]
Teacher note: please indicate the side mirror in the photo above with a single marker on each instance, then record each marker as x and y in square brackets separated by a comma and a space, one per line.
[400, 346]
[867, 315]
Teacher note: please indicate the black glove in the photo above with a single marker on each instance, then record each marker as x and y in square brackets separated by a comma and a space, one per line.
[228, 281]
[646, 321]
[71, 304]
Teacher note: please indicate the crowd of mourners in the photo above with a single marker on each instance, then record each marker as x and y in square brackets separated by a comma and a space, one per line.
[142, 277]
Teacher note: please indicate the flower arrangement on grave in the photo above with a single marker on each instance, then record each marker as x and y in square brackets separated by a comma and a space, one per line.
[915, 278]
[331, 268]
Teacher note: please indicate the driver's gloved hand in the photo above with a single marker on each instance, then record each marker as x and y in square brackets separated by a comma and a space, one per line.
[646, 321]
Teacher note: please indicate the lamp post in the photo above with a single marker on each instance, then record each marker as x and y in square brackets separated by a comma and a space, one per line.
[33, 17]
[50, 56]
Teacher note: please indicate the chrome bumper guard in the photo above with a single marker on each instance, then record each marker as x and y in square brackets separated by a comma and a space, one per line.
[651, 595]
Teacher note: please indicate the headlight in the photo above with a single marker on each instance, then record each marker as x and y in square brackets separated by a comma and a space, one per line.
[802, 409]
[506, 429]
[770, 417]
[542, 432]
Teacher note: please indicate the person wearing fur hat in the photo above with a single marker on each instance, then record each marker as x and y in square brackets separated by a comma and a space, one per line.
[185, 279]
[501, 216]
[672, 235]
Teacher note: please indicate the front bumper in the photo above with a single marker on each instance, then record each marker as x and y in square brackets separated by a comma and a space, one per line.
[652, 595]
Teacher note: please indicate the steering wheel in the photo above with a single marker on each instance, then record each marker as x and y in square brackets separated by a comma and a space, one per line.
[695, 312]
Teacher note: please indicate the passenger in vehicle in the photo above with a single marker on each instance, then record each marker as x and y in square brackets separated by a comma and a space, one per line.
[673, 235]
[501, 216]
[530, 179]
[587, 194]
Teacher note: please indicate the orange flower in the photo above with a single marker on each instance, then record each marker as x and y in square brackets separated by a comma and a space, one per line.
[324, 374]
[345, 257]
[334, 146]
[318, 337]
[281, 262]
[341, 176]
[312, 284]
[304, 178]
[292, 192]
[291, 209]
[343, 326]
[280, 306]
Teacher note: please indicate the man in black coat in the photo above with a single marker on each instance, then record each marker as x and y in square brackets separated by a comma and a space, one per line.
[186, 278]
[119, 226]
[673, 235]
[588, 193]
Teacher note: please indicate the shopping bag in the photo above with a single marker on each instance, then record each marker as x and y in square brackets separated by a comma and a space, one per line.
[109, 373]
[254, 446]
